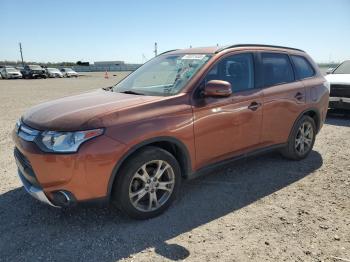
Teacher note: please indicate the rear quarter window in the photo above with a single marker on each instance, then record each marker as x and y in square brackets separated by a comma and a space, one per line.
[303, 68]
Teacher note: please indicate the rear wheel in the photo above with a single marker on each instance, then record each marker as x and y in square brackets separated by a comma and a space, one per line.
[148, 183]
[301, 140]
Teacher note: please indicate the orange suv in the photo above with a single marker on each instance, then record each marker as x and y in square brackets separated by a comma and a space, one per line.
[176, 115]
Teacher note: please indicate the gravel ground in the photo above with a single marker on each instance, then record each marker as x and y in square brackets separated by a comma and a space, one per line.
[259, 209]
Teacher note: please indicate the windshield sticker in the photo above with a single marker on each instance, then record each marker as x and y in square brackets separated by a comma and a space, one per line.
[193, 57]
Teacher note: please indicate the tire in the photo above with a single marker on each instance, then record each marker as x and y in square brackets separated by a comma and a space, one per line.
[135, 189]
[300, 143]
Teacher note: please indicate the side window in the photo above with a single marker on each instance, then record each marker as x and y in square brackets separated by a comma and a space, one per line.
[302, 67]
[276, 69]
[237, 69]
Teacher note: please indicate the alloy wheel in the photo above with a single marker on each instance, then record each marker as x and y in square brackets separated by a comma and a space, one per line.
[304, 138]
[151, 185]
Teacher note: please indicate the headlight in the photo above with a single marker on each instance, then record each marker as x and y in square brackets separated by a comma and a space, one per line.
[67, 142]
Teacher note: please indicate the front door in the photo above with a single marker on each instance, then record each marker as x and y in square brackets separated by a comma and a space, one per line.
[224, 127]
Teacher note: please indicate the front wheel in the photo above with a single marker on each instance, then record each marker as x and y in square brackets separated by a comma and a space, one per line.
[301, 140]
[148, 183]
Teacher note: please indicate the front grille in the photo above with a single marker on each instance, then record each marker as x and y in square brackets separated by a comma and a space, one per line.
[22, 159]
[27, 133]
[25, 168]
[338, 90]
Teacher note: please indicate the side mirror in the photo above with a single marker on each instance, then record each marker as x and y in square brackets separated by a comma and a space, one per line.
[330, 70]
[217, 88]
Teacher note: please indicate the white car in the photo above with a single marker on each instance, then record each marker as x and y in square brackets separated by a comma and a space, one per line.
[10, 73]
[339, 80]
[69, 72]
[53, 72]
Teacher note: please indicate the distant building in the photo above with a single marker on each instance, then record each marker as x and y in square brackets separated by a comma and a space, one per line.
[101, 66]
[108, 63]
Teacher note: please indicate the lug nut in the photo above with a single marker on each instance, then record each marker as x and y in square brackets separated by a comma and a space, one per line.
[148, 181]
[146, 188]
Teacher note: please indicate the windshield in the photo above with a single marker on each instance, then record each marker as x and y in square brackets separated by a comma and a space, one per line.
[35, 67]
[11, 70]
[164, 75]
[52, 70]
[68, 69]
[343, 68]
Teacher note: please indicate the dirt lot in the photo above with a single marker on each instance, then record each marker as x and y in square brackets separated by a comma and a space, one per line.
[260, 209]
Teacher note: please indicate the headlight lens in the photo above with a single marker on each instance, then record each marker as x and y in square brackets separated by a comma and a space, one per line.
[67, 142]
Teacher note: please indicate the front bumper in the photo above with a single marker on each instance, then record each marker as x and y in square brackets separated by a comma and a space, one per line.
[28, 178]
[14, 76]
[35, 192]
[85, 174]
[339, 103]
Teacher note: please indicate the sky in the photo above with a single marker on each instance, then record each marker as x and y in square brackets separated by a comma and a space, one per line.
[84, 30]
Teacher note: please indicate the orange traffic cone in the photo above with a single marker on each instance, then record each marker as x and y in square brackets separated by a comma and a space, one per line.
[106, 75]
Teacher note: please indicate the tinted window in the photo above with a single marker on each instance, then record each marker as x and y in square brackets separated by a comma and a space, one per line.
[302, 67]
[237, 70]
[276, 69]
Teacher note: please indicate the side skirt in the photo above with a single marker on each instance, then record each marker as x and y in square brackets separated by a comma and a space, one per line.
[210, 167]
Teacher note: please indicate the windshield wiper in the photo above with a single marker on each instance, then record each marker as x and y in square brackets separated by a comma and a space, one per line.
[132, 92]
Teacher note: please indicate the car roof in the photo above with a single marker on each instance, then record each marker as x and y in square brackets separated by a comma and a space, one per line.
[216, 49]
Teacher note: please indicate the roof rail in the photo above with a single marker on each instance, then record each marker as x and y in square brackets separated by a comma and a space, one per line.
[167, 51]
[255, 45]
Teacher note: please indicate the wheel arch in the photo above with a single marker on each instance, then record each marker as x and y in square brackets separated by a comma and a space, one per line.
[173, 145]
[314, 113]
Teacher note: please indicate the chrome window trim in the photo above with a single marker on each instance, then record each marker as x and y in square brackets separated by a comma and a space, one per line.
[25, 132]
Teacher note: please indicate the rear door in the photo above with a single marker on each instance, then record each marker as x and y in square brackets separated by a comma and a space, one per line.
[284, 97]
[226, 126]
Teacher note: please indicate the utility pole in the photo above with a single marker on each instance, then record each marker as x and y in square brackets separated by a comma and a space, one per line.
[20, 49]
[155, 49]
[144, 58]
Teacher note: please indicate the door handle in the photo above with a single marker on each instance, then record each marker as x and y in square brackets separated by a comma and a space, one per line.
[254, 106]
[299, 96]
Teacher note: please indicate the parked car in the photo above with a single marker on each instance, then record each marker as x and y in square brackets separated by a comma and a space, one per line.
[33, 71]
[10, 73]
[175, 116]
[339, 79]
[53, 72]
[19, 68]
[69, 72]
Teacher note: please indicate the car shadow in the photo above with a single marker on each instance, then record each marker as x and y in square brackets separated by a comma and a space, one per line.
[31, 230]
[338, 117]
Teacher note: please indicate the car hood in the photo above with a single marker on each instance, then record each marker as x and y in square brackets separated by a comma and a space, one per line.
[338, 78]
[74, 112]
